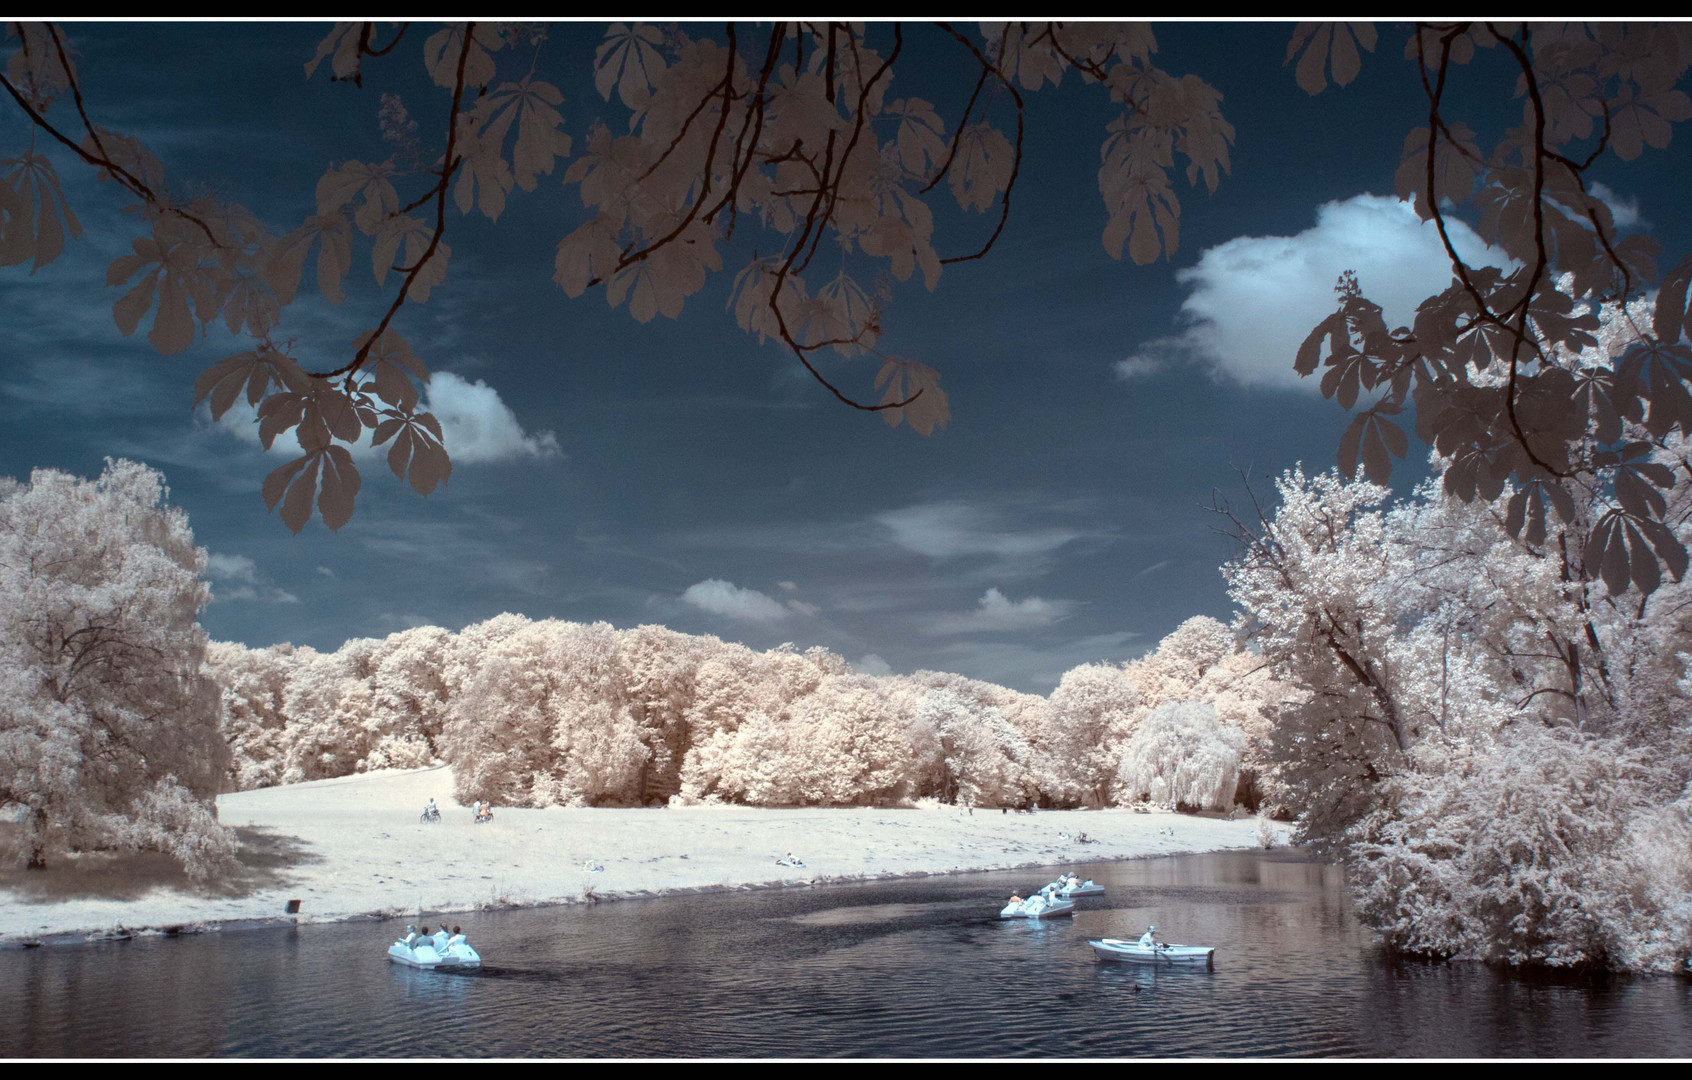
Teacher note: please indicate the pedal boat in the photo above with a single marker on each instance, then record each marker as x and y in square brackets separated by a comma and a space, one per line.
[1086, 888]
[422, 953]
[1038, 906]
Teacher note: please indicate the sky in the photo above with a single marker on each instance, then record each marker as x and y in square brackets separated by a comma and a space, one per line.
[681, 473]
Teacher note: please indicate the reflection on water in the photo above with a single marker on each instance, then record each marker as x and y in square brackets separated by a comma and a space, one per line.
[910, 968]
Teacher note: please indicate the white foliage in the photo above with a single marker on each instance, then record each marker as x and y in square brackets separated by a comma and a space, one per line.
[1182, 754]
[981, 755]
[1531, 854]
[108, 729]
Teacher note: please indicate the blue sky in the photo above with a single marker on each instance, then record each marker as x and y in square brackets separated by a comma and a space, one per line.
[681, 473]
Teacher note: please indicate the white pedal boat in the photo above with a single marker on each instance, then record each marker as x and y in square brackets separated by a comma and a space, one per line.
[424, 952]
[1184, 955]
[1085, 888]
[1038, 907]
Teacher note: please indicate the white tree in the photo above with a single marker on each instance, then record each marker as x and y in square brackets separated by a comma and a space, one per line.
[981, 754]
[848, 744]
[1094, 710]
[109, 730]
[1494, 729]
[1182, 754]
[253, 684]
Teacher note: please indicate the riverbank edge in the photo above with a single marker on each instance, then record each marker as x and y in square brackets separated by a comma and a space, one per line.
[121, 932]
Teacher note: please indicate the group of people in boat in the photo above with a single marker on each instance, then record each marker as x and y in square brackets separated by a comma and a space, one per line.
[440, 940]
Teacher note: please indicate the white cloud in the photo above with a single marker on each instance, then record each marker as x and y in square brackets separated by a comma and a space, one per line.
[478, 427]
[1152, 569]
[788, 585]
[326, 572]
[1136, 367]
[731, 601]
[940, 530]
[242, 581]
[872, 664]
[807, 610]
[996, 612]
[1254, 299]
[231, 568]
[1624, 210]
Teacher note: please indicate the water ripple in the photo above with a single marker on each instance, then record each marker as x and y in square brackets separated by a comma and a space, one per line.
[906, 969]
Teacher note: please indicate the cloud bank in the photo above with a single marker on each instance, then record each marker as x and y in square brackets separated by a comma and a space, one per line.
[479, 428]
[1254, 299]
[718, 597]
[996, 612]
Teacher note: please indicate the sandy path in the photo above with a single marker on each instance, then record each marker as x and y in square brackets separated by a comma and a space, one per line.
[353, 847]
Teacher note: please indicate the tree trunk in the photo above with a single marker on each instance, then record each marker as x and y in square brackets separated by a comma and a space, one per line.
[35, 834]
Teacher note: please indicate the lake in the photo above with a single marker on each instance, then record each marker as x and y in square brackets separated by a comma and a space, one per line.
[910, 968]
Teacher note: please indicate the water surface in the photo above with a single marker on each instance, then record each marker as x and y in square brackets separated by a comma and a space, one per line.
[904, 969]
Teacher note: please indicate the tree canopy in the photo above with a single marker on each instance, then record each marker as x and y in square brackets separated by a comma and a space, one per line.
[109, 731]
[747, 146]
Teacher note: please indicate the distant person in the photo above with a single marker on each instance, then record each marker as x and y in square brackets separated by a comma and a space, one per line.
[1147, 940]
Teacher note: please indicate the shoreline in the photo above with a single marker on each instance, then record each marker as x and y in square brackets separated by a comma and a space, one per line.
[350, 848]
[222, 926]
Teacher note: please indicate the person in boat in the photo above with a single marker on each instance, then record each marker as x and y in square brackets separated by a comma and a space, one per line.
[1015, 901]
[1147, 940]
[410, 935]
